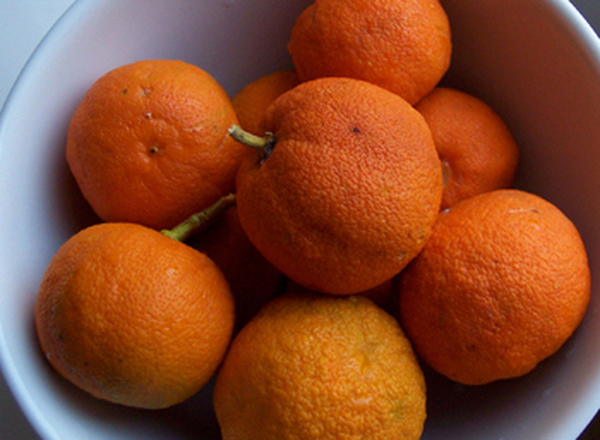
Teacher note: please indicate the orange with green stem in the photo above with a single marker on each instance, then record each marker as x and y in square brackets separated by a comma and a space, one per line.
[326, 200]
[133, 317]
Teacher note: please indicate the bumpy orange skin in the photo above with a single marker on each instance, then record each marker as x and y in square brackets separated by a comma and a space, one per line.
[402, 45]
[503, 282]
[477, 150]
[320, 367]
[351, 190]
[132, 316]
[252, 101]
[149, 144]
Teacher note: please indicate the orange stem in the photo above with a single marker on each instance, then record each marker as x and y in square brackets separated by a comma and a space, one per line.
[199, 221]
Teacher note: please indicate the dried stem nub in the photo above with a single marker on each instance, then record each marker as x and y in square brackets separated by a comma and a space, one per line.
[264, 143]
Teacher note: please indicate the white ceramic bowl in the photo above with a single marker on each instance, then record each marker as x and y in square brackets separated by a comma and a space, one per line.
[535, 61]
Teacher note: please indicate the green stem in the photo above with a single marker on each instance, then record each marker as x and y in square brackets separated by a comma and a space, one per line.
[265, 143]
[199, 221]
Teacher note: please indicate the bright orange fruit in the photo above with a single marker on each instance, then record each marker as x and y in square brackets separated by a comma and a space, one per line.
[501, 285]
[148, 144]
[252, 101]
[402, 45]
[477, 150]
[320, 367]
[350, 191]
[132, 316]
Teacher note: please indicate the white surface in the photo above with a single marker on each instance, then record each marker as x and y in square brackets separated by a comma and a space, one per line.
[24, 23]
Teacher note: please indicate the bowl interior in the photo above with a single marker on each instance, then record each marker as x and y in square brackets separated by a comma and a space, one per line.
[536, 62]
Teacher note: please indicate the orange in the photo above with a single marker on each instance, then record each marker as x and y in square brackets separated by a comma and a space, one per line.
[148, 144]
[501, 285]
[477, 150]
[252, 101]
[402, 45]
[320, 367]
[132, 316]
[253, 280]
[348, 192]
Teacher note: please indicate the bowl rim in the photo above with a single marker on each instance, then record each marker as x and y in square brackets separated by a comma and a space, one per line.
[42, 51]
[580, 31]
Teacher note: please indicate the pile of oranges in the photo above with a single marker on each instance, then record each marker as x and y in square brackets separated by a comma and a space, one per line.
[310, 240]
